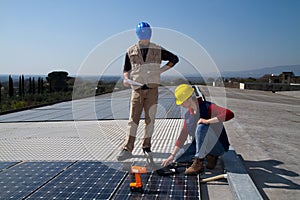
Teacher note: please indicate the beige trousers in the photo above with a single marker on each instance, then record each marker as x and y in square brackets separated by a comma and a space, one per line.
[141, 100]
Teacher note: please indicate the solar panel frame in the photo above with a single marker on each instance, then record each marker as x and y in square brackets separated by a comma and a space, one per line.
[7, 165]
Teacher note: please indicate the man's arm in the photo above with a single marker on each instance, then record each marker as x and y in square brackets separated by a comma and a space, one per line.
[166, 67]
[127, 68]
[125, 77]
[167, 55]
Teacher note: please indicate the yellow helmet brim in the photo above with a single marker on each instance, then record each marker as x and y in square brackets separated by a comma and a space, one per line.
[182, 93]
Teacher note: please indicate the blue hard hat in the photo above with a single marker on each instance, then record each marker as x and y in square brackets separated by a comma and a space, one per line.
[143, 31]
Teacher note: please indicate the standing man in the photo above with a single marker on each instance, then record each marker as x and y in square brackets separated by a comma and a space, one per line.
[143, 65]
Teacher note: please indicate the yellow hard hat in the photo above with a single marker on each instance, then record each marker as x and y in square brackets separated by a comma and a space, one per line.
[183, 92]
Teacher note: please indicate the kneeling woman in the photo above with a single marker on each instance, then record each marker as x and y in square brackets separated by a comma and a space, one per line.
[204, 122]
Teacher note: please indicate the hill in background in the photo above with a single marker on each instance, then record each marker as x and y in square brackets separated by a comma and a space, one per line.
[257, 73]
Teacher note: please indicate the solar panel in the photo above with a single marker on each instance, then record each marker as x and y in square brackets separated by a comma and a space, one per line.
[89, 180]
[85, 180]
[21, 180]
[6, 165]
[177, 186]
[99, 107]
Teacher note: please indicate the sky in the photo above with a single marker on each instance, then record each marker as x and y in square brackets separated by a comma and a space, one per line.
[40, 36]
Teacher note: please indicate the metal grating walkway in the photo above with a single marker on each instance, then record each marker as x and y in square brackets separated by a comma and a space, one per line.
[94, 140]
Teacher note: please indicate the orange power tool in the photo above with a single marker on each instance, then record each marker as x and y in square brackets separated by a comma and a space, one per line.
[137, 186]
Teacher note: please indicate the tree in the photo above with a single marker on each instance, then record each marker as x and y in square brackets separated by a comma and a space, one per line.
[33, 86]
[250, 79]
[0, 92]
[10, 86]
[40, 85]
[265, 78]
[58, 81]
[30, 86]
[20, 86]
[23, 86]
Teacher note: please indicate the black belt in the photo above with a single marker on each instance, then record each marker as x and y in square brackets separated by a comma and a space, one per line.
[145, 87]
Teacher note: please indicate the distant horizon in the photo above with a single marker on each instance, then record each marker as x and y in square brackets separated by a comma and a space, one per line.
[255, 73]
[242, 70]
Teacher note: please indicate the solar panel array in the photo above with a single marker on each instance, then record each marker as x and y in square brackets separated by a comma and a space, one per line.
[103, 107]
[177, 186]
[58, 142]
[89, 180]
[86, 180]
[23, 179]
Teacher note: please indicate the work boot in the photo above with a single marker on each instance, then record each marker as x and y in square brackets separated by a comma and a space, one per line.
[124, 155]
[211, 161]
[146, 150]
[196, 168]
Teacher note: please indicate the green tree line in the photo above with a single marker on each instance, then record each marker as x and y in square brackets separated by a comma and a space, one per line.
[21, 93]
[34, 91]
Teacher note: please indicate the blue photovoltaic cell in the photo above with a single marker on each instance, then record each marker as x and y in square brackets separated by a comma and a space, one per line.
[177, 186]
[83, 180]
[21, 180]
